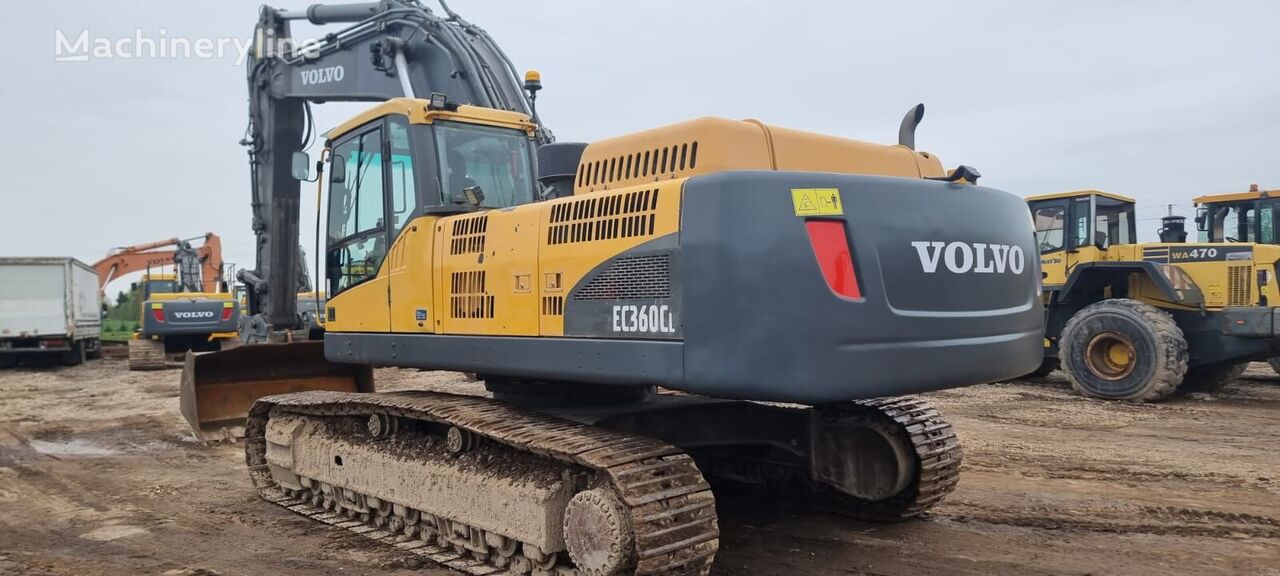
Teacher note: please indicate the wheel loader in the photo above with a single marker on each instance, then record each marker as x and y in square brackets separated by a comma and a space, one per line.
[1129, 321]
[1240, 217]
[710, 303]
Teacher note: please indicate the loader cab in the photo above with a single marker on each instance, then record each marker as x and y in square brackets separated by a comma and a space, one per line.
[409, 158]
[1241, 217]
[1079, 226]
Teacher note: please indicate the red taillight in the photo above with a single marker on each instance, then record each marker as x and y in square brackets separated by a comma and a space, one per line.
[831, 247]
[158, 313]
[226, 314]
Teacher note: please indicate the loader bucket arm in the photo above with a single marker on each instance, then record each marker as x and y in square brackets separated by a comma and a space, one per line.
[218, 388]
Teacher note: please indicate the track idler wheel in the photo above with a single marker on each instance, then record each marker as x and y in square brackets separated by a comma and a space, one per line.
[458, 440]
[382, 425]
[598, 534]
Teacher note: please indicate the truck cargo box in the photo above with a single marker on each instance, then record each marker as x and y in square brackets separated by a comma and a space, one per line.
[48, 305]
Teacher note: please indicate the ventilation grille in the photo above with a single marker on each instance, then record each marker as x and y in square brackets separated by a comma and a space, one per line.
[553, 305]
[604, 217]
[1238, 283]
[467, 296]
[631, 277]
[468, 235]
[665, 160]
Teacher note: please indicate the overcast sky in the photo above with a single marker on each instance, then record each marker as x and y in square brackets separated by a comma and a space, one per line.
[1158, 100]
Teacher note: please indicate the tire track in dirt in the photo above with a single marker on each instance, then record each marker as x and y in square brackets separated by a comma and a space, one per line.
[1129, 520]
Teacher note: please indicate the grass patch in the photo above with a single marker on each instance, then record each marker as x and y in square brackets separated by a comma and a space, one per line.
[118, 330]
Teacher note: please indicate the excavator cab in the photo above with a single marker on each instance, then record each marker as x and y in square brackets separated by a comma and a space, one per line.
[441, 159]
[158, 284]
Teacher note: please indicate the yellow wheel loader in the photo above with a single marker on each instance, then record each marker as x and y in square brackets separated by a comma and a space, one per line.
[714, 302]
[1240, 217]
[1129, 321]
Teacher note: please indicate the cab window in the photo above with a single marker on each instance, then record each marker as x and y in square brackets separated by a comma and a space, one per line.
[1234, 223]
[159, 287]
[1113, 222]
[1050, 224]
[1080, 229]
[1266, 224]
[496, 160]
[357, 218]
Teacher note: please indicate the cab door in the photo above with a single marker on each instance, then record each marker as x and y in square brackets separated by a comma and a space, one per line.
[413, 253]
[1051, 218]
[358, 234]
[1084, 241]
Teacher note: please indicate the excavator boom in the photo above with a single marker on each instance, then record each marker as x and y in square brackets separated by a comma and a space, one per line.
[379, 51]
[140, 257]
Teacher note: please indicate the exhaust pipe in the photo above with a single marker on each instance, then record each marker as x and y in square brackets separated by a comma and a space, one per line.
[1173, 229]
[907, 130]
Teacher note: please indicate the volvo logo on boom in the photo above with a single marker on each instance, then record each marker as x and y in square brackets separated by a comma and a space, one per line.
[966, 258]
[322, 75]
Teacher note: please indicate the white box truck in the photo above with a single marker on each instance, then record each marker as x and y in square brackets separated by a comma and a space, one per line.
[49, 306]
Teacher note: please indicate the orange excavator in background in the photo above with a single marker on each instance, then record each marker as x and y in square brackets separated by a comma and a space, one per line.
[140, 257]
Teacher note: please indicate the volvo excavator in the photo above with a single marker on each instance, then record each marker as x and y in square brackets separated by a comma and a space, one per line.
[714, 302]
[186, 309]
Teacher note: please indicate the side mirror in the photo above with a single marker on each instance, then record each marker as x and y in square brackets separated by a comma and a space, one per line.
[1202, 219]
[301, 168]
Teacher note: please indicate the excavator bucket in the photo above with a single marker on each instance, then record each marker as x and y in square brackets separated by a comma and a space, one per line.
[218, 388]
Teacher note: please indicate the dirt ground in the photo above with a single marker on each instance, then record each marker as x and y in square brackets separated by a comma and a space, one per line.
[98, 475]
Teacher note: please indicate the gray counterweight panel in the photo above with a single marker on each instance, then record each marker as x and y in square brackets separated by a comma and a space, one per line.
[760, 322]
[191, 316]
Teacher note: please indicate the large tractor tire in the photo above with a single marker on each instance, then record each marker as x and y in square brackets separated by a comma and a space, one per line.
[1123, 349]
[76, 355]
[1213, 377]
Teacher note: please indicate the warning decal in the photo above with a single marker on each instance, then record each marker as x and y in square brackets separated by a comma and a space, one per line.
[817, 201]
